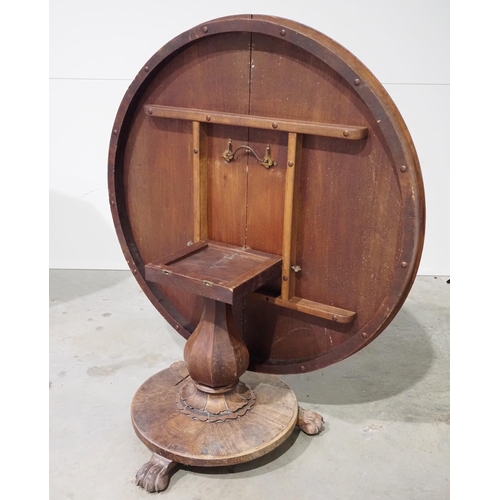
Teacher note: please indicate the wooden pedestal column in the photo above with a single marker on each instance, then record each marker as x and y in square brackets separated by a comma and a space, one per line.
[208, 410]
[201, 413]
[216, 357]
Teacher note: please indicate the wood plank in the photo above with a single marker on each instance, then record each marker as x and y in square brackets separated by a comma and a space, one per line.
[290, 217]
[309, 307]
[266, 194]
[340, 131]
[200, 181]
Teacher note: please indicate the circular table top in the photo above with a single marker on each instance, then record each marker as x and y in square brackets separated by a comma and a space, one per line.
[359, 216]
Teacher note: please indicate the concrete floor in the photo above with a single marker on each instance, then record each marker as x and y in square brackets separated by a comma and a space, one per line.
[386, 408]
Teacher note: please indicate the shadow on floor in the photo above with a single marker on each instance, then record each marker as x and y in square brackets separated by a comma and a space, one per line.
[66, 285]
[390, 367]
[288, 451]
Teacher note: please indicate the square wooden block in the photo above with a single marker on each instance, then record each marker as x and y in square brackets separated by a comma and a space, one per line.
[215, 270]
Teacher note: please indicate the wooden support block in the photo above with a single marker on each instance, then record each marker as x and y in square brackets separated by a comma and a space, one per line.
[215, 270]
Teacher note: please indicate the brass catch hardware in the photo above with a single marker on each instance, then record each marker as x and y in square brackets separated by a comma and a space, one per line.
[229, 155]
[207, 283]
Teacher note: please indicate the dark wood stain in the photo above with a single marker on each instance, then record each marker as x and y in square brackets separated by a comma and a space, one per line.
[359, 217]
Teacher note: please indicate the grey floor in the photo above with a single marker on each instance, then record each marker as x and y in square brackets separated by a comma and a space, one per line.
[386, 408]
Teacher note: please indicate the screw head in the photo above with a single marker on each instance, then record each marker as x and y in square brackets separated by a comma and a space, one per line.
[195, 151]
[303, 368]
[285, 278]
[205, 29]
[283, 32]
[403, 168]
[404, 264]
[115, 132]
[177, 327]
[275, 125]
[346, 133]
[290, 163]
[146, 69]
[208, 118]
[364, 335]
[112, 202]
[357, 82]
[150, 111]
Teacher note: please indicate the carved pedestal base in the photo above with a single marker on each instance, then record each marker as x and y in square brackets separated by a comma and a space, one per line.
[207, 407]
[164, 423]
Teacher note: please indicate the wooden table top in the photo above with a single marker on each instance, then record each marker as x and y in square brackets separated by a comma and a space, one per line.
[289, 99]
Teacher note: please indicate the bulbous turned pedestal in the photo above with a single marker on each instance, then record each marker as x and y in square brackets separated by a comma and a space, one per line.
[216, 357]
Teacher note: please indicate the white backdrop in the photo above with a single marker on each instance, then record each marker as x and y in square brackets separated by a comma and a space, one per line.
[97, 48]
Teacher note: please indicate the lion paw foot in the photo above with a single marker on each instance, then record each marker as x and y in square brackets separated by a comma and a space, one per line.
[154, 475]
[309, 421]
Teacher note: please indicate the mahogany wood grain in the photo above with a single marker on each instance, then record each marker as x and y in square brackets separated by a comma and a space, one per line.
[360, 226]
[157, 169]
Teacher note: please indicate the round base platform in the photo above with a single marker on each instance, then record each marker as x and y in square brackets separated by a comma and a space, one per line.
[162, 427]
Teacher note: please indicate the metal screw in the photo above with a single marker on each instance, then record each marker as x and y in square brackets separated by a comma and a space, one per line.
[208, 118]
[134, 271]
[346, 133]
[275, 125]
[364, 335]
[290, 163]
[335, 317]
[283, 32]
[403, 168]
[146, 69]
[195, 151]
[150, 111]
[205, 29]
[302, 367]
[189, 243]
[285, 278]
[115, 131]
[357, 82]
[112, 202]
[404, 264]
[177, 327]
